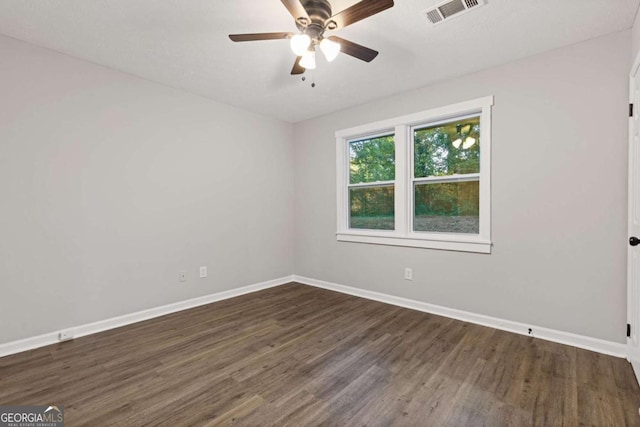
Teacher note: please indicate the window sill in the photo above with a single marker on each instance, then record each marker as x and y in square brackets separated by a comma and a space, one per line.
[450, 243]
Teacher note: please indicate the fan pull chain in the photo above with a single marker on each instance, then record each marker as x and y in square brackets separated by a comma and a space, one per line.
[313, 78]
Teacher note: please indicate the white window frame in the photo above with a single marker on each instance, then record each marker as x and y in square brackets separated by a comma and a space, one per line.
[402, 127]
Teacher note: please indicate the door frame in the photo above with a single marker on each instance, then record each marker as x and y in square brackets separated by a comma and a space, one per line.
[633, 287]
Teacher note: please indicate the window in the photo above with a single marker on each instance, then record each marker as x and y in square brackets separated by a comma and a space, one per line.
[372, 175]
[421, 180]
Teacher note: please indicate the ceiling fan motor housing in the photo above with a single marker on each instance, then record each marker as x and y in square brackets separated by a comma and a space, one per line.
[319, 12]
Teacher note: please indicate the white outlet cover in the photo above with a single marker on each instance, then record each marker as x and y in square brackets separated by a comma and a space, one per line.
[203, 272]
[65, 335]
[408, 274]
[182, 276]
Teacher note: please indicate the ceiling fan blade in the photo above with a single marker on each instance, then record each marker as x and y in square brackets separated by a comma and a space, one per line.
[296, 9]
[259, 36]
[360, 11]
[354, 49]
[297, 68]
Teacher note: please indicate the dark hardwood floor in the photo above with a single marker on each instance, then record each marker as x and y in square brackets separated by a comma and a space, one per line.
[297, 355]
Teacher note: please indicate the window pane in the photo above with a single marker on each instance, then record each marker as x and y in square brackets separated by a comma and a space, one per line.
[447, 149]
[372, 160]
[372, 208]
[451, 207]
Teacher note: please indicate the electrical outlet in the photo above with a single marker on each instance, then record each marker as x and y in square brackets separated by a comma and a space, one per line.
[65, 335]
[182, 276]
[203, 271]
[408, 274]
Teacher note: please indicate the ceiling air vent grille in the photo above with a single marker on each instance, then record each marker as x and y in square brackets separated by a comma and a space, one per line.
[433, 16]
[451, 8]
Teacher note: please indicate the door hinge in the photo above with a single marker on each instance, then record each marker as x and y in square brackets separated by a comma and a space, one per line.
[628, 330]
[630, 110]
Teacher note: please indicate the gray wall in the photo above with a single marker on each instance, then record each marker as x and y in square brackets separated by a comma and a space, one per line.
[558, 196]
[110, 185]
[635, 37]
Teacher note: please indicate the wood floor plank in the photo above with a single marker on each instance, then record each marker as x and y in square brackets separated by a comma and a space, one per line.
[301, 356]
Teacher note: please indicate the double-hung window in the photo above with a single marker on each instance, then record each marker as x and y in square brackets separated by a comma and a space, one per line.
[372, 176]
[421, 180]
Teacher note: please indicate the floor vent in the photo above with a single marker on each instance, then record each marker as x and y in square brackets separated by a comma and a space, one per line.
[451, 8]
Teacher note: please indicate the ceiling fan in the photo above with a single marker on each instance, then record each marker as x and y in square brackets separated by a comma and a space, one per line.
[313, 18]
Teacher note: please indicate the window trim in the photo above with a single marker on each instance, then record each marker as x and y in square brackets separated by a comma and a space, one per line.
[403, 235]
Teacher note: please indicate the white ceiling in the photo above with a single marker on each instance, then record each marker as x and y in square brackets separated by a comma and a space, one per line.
[184, 44]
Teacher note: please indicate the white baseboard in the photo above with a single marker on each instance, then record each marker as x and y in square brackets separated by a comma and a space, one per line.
[127, 319]
[580, 341]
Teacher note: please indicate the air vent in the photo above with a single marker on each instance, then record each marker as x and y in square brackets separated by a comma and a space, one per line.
[434, 16]
[451, 8]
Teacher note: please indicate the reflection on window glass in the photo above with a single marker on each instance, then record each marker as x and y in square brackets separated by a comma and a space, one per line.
[447, 149]
[451, 207]
[372, 160]
[372, 208]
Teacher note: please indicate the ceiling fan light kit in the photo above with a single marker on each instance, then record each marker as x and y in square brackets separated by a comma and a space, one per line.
[329, 49]
[313, 18]
[300, 43]
[308, 60]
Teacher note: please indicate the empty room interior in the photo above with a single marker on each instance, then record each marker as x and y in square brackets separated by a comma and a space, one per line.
[320, 212]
